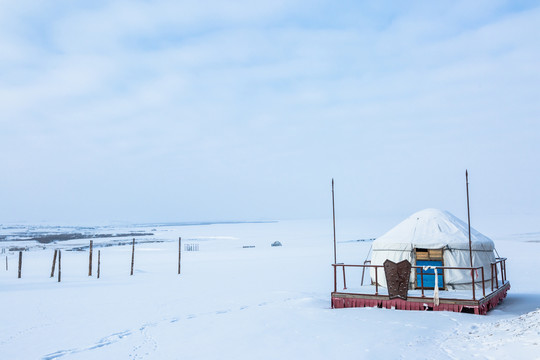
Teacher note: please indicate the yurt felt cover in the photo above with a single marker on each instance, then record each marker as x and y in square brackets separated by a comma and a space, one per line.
[435, 229]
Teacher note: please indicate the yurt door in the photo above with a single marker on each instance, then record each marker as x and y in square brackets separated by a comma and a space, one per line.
[427, 258]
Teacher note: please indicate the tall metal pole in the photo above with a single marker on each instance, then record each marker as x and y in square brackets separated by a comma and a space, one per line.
[469, 216]
[334, 220]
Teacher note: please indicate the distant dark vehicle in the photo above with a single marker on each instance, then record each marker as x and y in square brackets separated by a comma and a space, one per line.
[276, 243]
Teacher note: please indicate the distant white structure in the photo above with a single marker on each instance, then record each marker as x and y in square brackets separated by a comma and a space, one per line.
[191, 247]
[434, 237]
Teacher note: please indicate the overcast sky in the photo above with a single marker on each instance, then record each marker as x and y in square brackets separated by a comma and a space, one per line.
[245, 110]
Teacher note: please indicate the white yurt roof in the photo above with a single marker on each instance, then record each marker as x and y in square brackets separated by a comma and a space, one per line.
[432, 229]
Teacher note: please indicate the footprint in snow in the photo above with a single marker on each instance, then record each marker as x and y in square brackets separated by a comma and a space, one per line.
[108, 340]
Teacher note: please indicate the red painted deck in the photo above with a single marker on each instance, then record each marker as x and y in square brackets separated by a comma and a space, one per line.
[480, 306]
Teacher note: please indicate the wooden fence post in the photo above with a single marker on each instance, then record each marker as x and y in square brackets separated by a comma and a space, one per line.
[179, 254]
[59, 265]
[132, 256]
[53, 263]
[90, 259]
[98, 262]
[20, 264]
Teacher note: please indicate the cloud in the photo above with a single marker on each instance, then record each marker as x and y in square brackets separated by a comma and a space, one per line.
[230, 107]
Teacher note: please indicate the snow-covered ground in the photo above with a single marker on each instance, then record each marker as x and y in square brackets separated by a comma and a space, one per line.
[232, 302]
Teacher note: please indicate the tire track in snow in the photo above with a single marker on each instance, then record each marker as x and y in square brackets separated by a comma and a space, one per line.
[149, 344]
[106, 341]
[140, 351]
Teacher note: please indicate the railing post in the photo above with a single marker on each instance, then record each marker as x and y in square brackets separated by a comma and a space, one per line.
[473, 289]
[496, 277]
[335, 278]
[376, 280]
[483, 285]
[422, 280]
[502, 273]
[505, 270]
[344, 281]
[491, 277]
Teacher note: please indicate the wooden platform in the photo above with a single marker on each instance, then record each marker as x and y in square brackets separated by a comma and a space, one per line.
[478, 306]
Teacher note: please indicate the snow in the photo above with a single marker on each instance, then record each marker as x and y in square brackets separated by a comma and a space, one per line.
[232, 302]
[515, 336]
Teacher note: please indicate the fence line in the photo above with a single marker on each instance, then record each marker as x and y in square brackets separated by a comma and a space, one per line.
[57, 258]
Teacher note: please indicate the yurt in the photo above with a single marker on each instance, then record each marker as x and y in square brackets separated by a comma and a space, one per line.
[431, 238]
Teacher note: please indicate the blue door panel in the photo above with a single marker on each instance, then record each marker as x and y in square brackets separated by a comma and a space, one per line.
[429, 274]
